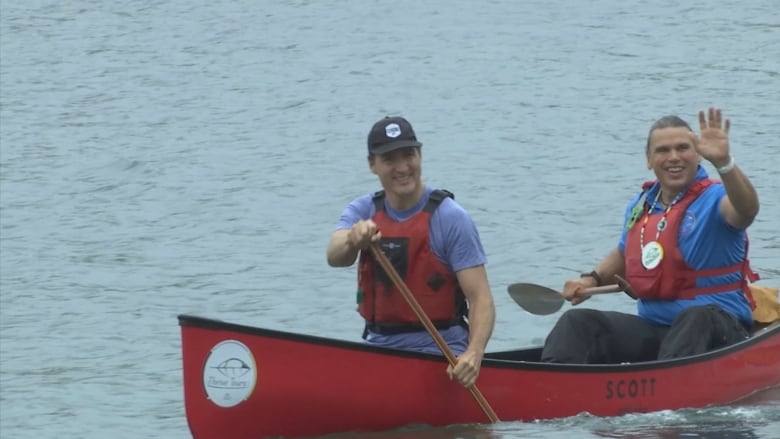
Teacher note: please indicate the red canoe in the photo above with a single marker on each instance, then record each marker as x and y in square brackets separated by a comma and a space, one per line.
[242, 382]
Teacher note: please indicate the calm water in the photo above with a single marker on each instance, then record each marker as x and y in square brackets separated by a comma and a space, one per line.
[167, 157]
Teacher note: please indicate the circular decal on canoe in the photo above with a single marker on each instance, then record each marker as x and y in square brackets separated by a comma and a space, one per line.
[230, 373]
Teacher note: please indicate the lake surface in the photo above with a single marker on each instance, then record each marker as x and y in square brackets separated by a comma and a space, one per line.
[159, 158]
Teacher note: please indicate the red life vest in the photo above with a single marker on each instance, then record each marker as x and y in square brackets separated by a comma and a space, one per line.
[674, 278]
[407, 246]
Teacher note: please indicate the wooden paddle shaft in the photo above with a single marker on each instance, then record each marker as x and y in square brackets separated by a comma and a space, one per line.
[604, 289]
[426, 321]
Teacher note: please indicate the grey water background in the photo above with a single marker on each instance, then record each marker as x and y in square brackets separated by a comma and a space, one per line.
[172, 157]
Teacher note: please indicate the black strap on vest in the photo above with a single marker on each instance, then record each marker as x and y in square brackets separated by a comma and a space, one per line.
[437, 196]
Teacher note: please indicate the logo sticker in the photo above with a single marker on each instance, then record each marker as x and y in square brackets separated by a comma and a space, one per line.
[688, 224]
[230, 373]
[393, 130]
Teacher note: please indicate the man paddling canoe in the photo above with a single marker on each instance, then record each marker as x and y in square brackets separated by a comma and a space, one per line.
[683, 251]
[434, 245]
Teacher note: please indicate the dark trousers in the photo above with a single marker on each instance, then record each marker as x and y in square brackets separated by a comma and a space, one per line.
[587, 336]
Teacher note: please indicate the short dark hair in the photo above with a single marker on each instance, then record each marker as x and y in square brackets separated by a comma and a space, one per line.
[666, 122]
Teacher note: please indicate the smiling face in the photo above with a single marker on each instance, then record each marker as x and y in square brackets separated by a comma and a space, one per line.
[400, 172]
[673, 158]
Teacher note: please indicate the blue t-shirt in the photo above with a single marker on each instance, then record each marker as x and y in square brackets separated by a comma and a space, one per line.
[706, 240]
[454, 240]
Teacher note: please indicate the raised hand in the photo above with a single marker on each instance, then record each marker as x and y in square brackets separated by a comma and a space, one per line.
[713, 142]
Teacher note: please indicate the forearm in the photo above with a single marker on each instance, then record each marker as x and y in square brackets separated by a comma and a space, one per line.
[613, 264]
[482, 311]
[340, 252]
[742, 197]
[482, 318]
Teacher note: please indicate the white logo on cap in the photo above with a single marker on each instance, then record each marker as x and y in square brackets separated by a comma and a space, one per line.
[393, 130]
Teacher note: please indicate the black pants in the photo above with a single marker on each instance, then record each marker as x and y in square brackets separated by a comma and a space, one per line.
[587, 336]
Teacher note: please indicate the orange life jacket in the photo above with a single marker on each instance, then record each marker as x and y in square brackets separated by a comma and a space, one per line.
[674, 278]
[407, 246]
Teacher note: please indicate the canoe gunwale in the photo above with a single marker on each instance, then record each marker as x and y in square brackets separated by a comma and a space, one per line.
[499, 359]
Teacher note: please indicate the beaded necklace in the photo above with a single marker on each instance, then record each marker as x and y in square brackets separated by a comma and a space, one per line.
[661, 224]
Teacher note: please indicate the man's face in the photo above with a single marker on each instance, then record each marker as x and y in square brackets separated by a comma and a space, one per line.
[399, 171]
[673, 158]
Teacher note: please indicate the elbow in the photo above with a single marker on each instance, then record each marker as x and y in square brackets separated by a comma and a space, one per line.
[335, 260]
[331, 259]
[744, 218]
[755, 210]
[750, 214]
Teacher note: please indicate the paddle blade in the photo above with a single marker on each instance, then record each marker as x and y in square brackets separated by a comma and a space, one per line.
[536, 299]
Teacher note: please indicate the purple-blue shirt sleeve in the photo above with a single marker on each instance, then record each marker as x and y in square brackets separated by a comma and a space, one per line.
[454, 237]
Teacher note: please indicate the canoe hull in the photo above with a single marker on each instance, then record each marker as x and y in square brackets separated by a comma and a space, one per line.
[248, 383]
